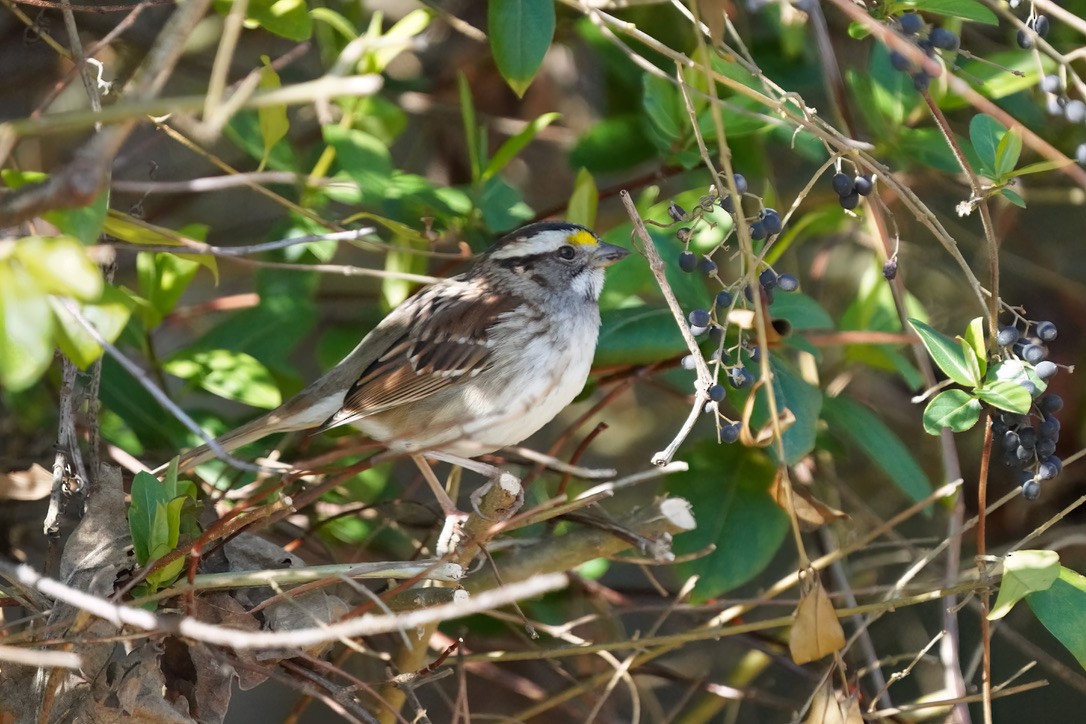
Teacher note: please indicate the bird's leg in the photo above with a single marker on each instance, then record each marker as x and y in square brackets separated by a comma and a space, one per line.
[454, 517]
[494, 474]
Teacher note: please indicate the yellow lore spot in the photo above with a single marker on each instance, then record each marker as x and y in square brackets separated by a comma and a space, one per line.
[582, 237]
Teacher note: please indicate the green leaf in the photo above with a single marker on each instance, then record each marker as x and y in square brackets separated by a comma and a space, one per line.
[83, 222]
[801, 311]
[60, 265]
[1024, 572]
[472, 132]
[613, 144]
[274, 124]
[947, 354]
[336, 21]
[964, 9]
[1062, 610]
[1013, 197]
[985, 133]
[145, 521]
[927, 146]
[1007, 153]
[955, 409]
[584, 200]
[108, 315]
[508, 150]
[233, 375]
[26, 326]
[162, 279]
[363, 157]
[1006, 395]
[974, 339]
[972, 361]
[796, 394]
[286, 18]
[852, 421]
[1041, 167]
[502, 205]
[637, 336]
[665, 109]
[735, 514]
[520, 33]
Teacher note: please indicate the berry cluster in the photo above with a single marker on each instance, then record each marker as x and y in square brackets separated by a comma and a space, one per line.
[912, 27]
[1029, 441]
[1037, 27]
[849, 189]
[1057, 103]
[762, 225]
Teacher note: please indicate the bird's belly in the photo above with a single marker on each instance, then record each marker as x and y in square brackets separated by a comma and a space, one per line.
[502, 406]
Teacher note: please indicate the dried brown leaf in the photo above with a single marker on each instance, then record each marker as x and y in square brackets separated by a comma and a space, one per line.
[816, 632]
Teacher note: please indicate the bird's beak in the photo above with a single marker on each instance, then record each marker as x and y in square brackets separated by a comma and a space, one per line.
[607, 254]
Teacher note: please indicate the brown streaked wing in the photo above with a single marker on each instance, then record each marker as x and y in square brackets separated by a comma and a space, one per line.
[450, 341]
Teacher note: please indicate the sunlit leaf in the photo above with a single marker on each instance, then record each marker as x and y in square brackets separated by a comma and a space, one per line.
[1024, 572]
[1062, 610]
[956, 409]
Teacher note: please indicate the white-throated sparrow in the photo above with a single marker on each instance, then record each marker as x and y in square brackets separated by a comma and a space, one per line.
[470, 364]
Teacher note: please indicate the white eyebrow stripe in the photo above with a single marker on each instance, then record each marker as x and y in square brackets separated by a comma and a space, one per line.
[540, 244]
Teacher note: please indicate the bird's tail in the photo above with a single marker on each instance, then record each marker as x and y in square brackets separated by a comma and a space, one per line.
[247, 433]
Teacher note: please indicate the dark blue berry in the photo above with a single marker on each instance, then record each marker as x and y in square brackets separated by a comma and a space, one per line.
[1033, 353]
[727, 204]
[676, 212]
[1046, 369]
[1039, 25]
[927, 46]
[1025, 42]
[687, 261]
[787, 283]
[1023, 453]
[863, 185]
[1007, 336]
[740, 183]
[1031, 489]
[899, 61]
[699, 318]
[716, 334]
[1027, 437]
[850, 201]
[1050, 403]
[706, 265]
[1046, 447]
[943, 39]
[1029, 387]
[889, 269]
[1075, 111]
[757, 231]
[729, 433]
[1010, 440]
[1049, 427]
[716, 393]
[842, 184]
[1047, 331]
[724, 299]
[911, 23]
[740, 377]
[768, 279]
[1048, 470]
[772, 221]
[921, 81]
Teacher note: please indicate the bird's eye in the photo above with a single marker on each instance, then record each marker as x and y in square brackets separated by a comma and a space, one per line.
[566, 252]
